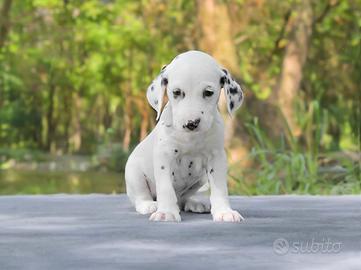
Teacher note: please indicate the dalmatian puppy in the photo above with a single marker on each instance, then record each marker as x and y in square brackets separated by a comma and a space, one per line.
[185, 151]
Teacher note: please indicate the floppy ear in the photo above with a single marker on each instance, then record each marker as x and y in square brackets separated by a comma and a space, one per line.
[232, 91]
[155, 92]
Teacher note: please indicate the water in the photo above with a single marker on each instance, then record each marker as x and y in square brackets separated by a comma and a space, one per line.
[15, 181]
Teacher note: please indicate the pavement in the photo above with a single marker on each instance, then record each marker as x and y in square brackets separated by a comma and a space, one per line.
[104, 232]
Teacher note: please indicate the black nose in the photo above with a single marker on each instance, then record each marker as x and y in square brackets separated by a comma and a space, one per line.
[192, 125]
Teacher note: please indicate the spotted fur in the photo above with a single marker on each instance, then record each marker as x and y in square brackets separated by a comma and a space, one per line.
[185, 151]
[233, 92]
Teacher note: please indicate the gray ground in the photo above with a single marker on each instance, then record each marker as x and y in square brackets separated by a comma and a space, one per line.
[104, 232]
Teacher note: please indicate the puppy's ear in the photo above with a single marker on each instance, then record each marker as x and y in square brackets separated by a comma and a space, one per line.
[155, 92]
[232, 91]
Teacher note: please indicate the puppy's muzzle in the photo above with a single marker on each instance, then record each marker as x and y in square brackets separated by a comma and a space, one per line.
[192, 125]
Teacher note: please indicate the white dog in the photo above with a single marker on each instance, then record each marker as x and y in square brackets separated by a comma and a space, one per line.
[185, 151]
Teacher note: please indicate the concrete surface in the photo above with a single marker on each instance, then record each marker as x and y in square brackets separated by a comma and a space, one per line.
[104, 232]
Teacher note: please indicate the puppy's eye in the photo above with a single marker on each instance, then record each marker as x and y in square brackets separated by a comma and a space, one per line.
[207, 93]
[177, 93]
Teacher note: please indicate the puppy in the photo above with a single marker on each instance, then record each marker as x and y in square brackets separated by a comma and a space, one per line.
[185, 151]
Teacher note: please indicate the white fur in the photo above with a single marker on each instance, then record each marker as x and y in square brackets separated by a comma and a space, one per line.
[173, 162]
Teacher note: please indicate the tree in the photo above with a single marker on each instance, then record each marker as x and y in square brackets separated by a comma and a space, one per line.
[217, 40]
[4, 21]
[293, 62]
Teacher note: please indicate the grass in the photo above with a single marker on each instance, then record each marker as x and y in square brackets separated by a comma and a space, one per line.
[291, 166]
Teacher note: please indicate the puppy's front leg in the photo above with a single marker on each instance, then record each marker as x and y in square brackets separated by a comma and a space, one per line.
[217, 174]
[168, 209]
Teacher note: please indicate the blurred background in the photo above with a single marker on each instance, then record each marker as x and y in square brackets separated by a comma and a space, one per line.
[73, 77]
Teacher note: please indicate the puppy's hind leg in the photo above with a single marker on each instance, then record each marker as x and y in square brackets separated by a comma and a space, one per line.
[196, 205]
[138, 190]
[197, 202]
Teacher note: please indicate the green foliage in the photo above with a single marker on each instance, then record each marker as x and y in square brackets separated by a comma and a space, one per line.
[287, 170]
[81, 58]
[8, 156]
[111, 157]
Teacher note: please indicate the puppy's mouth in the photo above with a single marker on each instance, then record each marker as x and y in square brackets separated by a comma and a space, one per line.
[192, 132]
[197, 130]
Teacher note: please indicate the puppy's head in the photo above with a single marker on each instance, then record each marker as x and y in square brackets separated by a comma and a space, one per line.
[193, 82]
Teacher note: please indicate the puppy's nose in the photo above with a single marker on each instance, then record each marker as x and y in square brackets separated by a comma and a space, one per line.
[192, 125]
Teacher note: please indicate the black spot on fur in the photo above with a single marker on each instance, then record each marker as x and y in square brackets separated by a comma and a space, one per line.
[240, 96]
[164, 81]
[162, 167]
[222, 80]
[173, 173]
[231, 105]
[228, 81]
[183, 94]
[233, 90]
[190, 164]
[152, 88]
[189, 174]
[176, 150]
[225, 71]
[202, 112]
[212, 170]
[156, 102]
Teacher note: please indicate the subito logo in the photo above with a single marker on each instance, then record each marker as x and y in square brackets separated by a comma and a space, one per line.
[281, 246]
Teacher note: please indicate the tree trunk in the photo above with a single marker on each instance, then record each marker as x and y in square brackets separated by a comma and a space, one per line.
[128, 115]
[50, 119]
[216, 39]
[143, 110]
[293, 62]
[76, 137]
[67, 114]
[127, 124]
[4, 21]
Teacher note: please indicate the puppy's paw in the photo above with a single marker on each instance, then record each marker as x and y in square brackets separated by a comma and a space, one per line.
[146, 207]
[196, 206]
[165, 216]
[227, 216]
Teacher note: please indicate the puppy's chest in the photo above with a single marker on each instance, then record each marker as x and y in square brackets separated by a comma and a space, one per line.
[188, 170]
